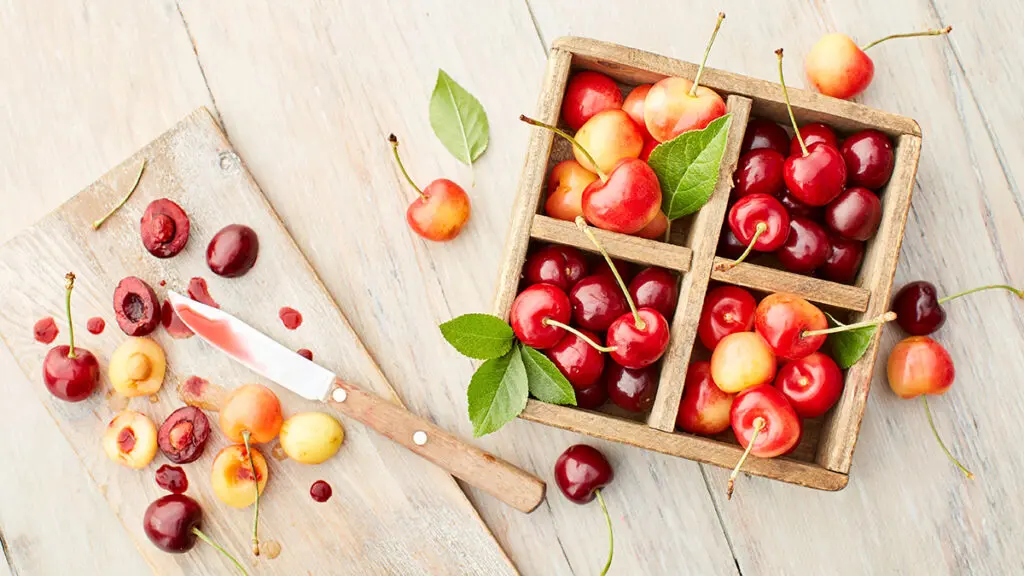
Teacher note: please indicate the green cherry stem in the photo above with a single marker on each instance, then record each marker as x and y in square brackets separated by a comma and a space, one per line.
[761, 228]
[394, 149]
[707, 52]
[580, 335]
[611, 534]
[789, 108]
[1018, 293]
[933, 32]
[567, 136]
[69, 284]
[202, 536]
[935, 432]
[759, 424]
[96, 224]
[877, 321]
[256, 486]
[582, 225]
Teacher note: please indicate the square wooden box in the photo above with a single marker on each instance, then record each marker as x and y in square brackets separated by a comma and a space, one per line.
[822, 460]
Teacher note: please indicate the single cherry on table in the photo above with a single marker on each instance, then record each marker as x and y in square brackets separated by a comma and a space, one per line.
[704, 408]
[70, 373]
[562, 266]
[806, 248]
[765, 425]
[581, 473]
[919, 309]
[440, 210]
[233, 251]
[586, 94]
[727, 309]
[172, 524]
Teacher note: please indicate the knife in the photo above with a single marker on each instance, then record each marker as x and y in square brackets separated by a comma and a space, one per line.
[267, 357]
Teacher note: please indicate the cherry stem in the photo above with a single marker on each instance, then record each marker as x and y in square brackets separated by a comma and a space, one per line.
[789, 107]
[581, 223]
[69, 284]
[935, 432]
[707, 51]
[394, 149]
[96, 225]
[933, 32]
[580, 335]
[256, 486]
[611, 534]
[202, 536]
[567, 136]
[759, 425]
[1019, 293]
[877, 321]
[761, 228]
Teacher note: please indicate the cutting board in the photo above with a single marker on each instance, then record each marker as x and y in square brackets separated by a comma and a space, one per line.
[391, 513]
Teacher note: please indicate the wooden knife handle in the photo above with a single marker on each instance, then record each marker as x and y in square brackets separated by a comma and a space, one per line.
[511, 485]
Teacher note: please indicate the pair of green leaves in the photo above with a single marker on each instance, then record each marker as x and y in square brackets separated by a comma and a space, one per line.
[458, 120]
[687, 167]
[511, 372]
[848, 347]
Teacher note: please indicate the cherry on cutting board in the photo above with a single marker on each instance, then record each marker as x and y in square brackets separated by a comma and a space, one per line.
[759, 172]
[70, 373]
[164, 228]
[562, 266]
[172, 524]
[855, 214]
[760, 222]
[566, 184]
[233, 251]
[919, 309]
[869, 159]
[607, 139]
[581, 472]
[586, 94]
[656, 288]
[727, 310]
[45, 330]
[290, 317]
[704, 408]
[844, 259]
[320, 491]
[440, 210]
[765, 134]
[135, 307]
[812, 384]
[183, 434]
[813, 133]
[596, 302]
[806, 247]
[577, 359]
[765, 425]
[95, 325]
[632, 390]
[172, 479]
[533, 312]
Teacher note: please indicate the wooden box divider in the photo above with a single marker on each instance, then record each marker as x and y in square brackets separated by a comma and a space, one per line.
[767, 279]
[631, 248]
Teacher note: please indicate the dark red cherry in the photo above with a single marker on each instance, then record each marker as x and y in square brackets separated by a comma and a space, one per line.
[70, 379]
[762, 134]
[759, 209]
[855, 214]
[597, 301]
[632, 390]
[818, 177]
[813, 133]
[729, 245]
[812, 384]
[233, 251]
[655, 288]
[581, 471]
[917, 308]
[170, 523]
[626, 269]
[593, 397]
[577, 360]
[844, 259]
[638, 346]
[806, 247]
[869, 159]
[562, 266]
[532, 307]
[759, 172]
[727, 310]
[795, 207]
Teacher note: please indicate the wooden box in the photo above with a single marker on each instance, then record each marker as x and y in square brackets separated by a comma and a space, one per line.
[822, 460]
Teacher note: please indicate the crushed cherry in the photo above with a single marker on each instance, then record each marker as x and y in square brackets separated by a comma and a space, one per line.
[45, 330]
[172, 479]
[95, 325]
[200, 292]
[290, 317]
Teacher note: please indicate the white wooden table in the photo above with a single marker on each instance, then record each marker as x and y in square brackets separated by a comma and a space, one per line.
[307, 94]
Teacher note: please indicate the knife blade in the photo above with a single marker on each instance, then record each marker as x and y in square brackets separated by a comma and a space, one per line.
[267, 357]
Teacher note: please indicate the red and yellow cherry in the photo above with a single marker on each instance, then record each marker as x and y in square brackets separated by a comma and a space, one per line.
[556, 264]
[676, 105]
[806, 247]
[844, 259]
[172, 524]
[532, 312]
[597, 302]
[762, 134]
[919, 309]
[869, 158]
[784, 320]
[656, 288]
[70, 373]
[581, 472]
[704, 408]
[765, 425]
[760, 222]
[238, 477]
[837, 67]
[577, 359]
[813, 133]
[638, 339]
[442, 208]
[607, 138]
[742, 360]
[855, 214]
[727, 310]
[593, 397]
[812, 384]
[566, 183]
[586, 94]
[759, 172]
[656, 229]
[632, 390]
[634, 106]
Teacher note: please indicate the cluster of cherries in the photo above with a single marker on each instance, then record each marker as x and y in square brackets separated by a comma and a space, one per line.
[810, 200]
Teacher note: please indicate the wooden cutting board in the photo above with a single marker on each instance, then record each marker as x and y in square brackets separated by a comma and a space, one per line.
[391, 513]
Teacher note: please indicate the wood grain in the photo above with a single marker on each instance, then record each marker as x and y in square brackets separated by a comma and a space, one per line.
[765, 279]
[630, 248]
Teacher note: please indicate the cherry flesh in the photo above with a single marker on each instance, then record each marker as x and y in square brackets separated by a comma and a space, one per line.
[164, 228]
[796, 208]
[592, 397]
[756, 212]
[806, 247]
[759, 172]
[704, 408]
[626, 201]
[172, 479]
[638, 346]
[597, 301]
[727, 310]
[783, 319]
[844, 259]
[765, 134]
[855, 214]
[233, 251]
[634, 106]
[869, 158]
[566, 183]
[320, 491]
[813, 133]
[578, 360]
[919, 365]
[632, 390]
[136, 307]
[182, 436]
[656, 288]
[812, 384]
[586, 94]
[581, 471]
[530, 310]
[562, 266]
[70, 373]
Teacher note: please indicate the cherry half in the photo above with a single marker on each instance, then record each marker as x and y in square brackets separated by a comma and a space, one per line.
[762, 134]
[533, 313]
[869, 159]
[760, 222]
[164, 228]
[586, 94]
[812, 384]
[855, 214]
[764, 424]
[727, 310]
[632, 390]
[441, 209]
[562, 266]
[172, 524]
[70, 373]
[581, 472]
[919, 309]
[806, 247]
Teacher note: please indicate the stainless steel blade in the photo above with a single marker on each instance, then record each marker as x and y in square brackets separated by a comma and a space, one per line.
[254, 349]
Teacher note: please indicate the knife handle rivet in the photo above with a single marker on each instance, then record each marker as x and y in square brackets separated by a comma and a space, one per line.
[339, 395]
[419, 437]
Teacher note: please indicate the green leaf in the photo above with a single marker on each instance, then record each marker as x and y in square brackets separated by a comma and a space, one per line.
[547, 383]
[479, 336]
[687, 167]
[848, 347]
[497, 393]
[458, 120]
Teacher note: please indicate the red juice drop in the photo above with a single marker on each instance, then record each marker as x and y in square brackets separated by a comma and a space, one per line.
[320, 491]
[172, 479]
[45, 330]
[174, 326]
[290, 317]
[96, 325]
[305, 353]
[200, 292]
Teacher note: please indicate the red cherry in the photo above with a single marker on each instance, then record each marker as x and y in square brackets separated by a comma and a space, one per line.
[581, 471]
[626, 200]
[844, 259]
[562, 266]
[869, 159]
[704, 408]
[577, 360]
[532, 307]
[586, 94]
[597, 302]
[855, 214]
[172, 524]
[782, 320]
[818, 177]
[917, 308]
[70, 372]
[762, 134]
[656, 288]
[632, 390]
[812, 384]
[764, 424]
[796, 208]
[441, 209]
[806, 247]
[593, 397]
[813, 133]
[634, 106]
[638, 346]
[759, 212]
[729, 245]
[626, 269]
[727, 310]
[759, 172]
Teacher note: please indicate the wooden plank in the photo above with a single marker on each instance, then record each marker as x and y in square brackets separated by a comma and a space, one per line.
[768, 279]
[631, 248]
[702, 238]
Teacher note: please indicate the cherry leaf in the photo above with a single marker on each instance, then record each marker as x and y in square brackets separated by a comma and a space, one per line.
[497, 392]
[458, 120]
[687, 167]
